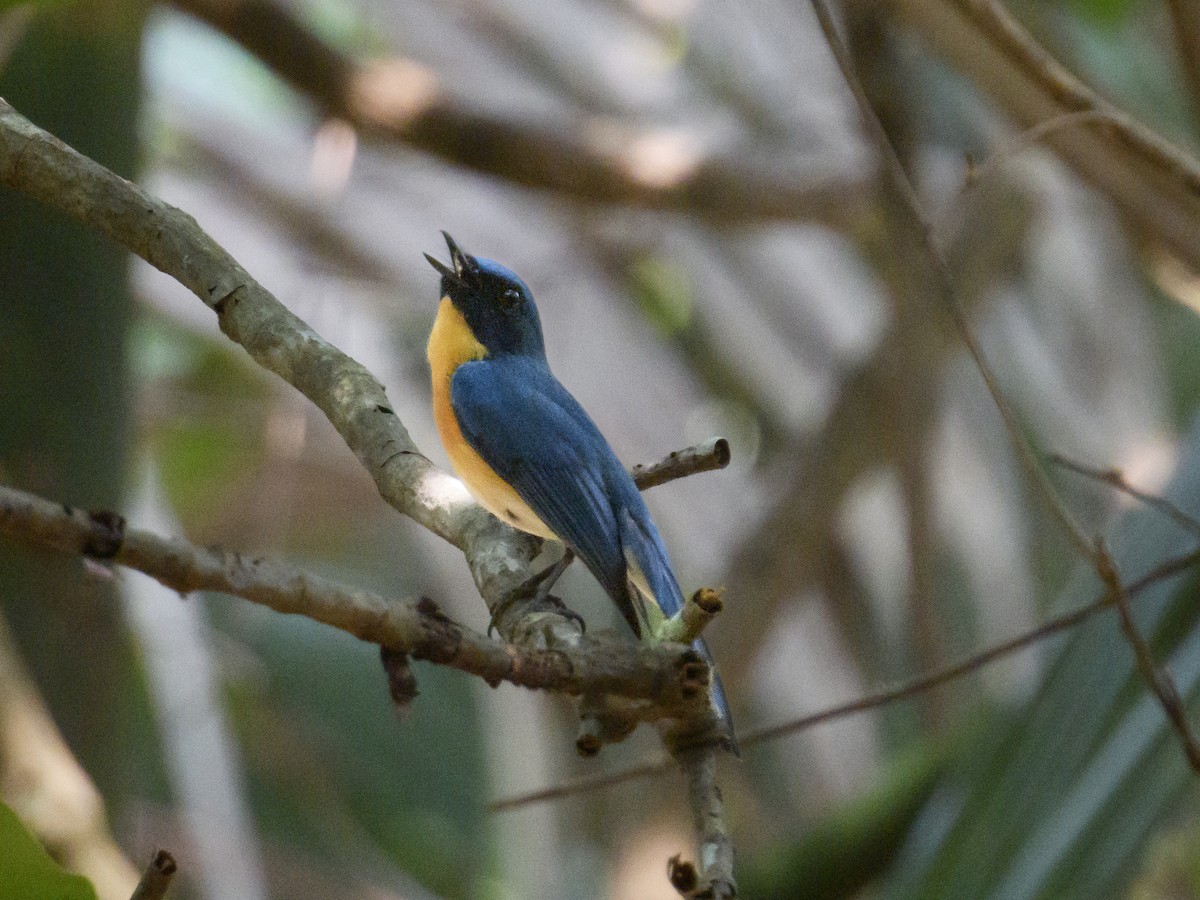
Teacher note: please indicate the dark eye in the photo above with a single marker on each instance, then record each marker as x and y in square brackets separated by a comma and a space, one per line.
[510, 298]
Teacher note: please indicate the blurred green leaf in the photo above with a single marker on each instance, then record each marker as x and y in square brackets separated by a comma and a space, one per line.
[198, 461]
[1062, 801]
[6, 5]
[663, 292]
[27, 871]
[333, 773]
[850, 847]
[1109, 13]
[1178, 331]
[207, 451]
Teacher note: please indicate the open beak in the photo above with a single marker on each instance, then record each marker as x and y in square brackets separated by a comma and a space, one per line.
[441, 267]
[464, 263]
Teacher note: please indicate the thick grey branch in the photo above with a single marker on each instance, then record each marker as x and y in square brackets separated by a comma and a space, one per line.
[169, 239]
[671, 675]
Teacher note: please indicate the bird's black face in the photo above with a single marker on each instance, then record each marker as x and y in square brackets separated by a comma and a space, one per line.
[495, 303]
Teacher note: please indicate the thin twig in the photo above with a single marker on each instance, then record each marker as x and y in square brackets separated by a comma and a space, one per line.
[1030, 137]
[157, 877]
[708, 456]
[874, 700]
[790, 548]
[1157, 678]
[1114, 478]
[1073, 93]
[1153, 206]
[1060, 83]
[945, 283]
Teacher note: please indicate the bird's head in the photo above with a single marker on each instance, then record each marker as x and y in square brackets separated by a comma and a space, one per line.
[494, 302]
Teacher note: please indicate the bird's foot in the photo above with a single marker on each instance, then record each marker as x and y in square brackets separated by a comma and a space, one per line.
[537, 589]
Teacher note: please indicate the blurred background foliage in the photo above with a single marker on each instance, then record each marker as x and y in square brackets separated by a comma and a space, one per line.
[873, 526]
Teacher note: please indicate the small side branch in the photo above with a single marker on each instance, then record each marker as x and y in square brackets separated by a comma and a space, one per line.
[157, 877]
[1115, 479]
[708, 456]
[1156, 677]
[903, 691]
[713, 880]
[687, 624]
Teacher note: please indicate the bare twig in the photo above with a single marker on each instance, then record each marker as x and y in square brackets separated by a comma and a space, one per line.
[1030, 137]
[415, 627]
[903, 691]
[400, 100]
[1148, 194]
[1157, 678]
[1073, 94]
[687, 624]
[157, 877]
[585, 785]
[1115, 479]
[946, 289]
[714, 879]
[705, 457]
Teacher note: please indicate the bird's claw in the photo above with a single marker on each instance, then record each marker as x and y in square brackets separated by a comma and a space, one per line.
[537, 588]
[566, 611]
[521, 593]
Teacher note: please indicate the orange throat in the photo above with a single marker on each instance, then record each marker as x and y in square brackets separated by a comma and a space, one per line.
[452, 343]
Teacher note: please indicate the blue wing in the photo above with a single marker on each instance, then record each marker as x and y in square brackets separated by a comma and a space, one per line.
[524, 424]
[535, 435]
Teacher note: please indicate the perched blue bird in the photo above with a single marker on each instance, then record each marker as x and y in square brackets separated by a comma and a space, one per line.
[530, 454]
